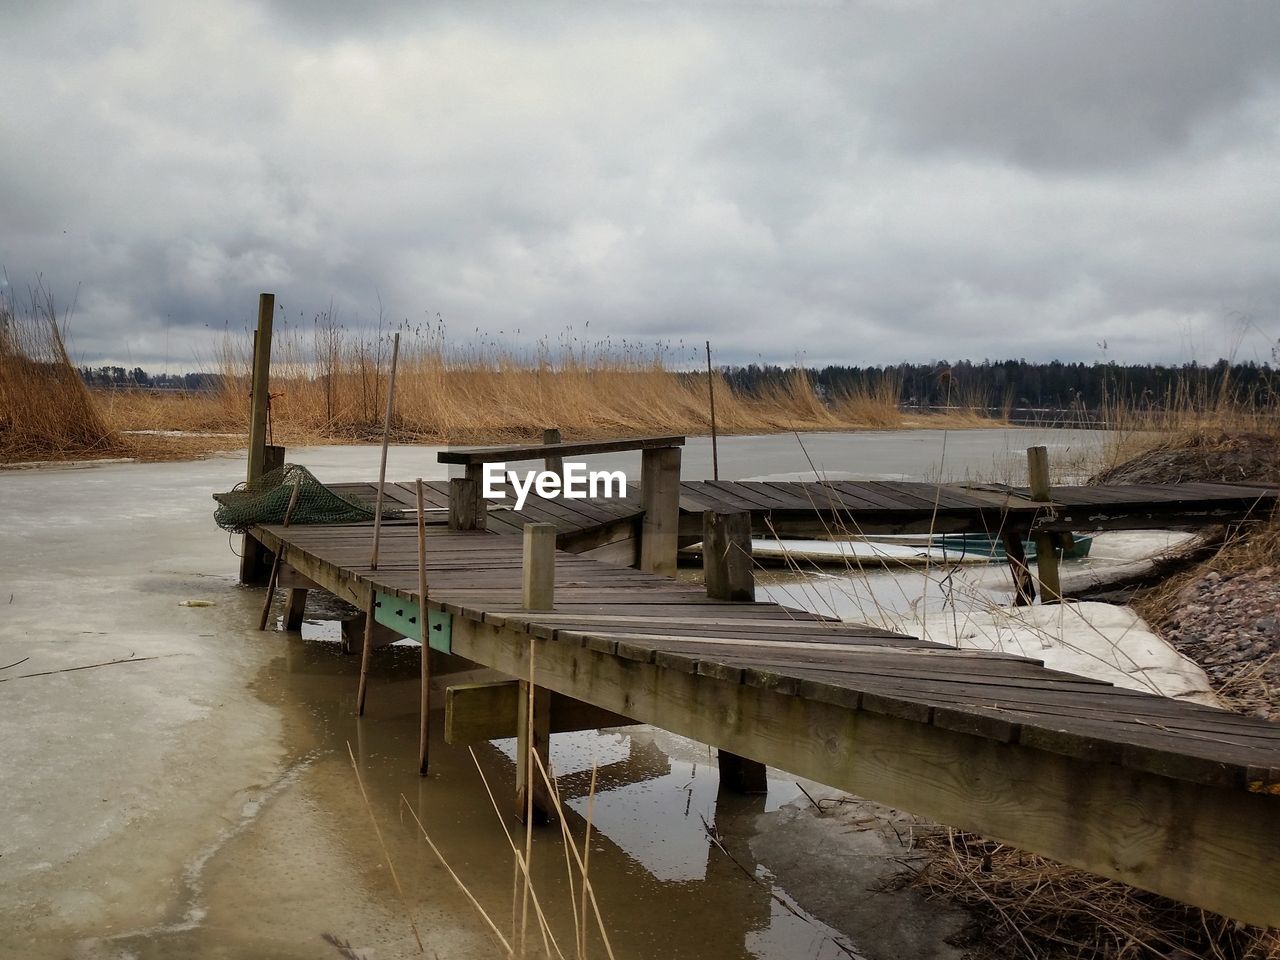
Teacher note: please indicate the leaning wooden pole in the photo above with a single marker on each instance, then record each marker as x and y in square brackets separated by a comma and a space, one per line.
[382, 467]
[370, 622]
[711, 394]
[424, 633]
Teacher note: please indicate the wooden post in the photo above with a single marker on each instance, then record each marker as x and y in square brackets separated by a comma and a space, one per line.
[660, 498]
[1024, 584]
[382, 468]
[253, 558]
[533, 735]
[1046, 545]
[711, 395]
[424, 631]
[275, 564]
[539, 570]
[726, 556]
[554, 464]
[294, 608]
[726, 565]
[467, 507]
[533, 725]
[260, 388]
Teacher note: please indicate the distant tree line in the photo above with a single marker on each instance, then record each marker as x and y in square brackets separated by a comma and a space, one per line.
[1022, 383]
[989, 383]
[137, 378]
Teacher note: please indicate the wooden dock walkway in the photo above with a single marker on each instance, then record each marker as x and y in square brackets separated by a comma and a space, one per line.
[1173, 797]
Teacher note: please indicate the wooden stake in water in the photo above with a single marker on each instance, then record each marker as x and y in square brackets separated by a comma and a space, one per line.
[386, 438]
[424, 632]
[711, 393]
[370, 622]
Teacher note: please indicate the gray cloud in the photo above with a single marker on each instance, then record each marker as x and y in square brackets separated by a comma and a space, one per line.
[864, 183]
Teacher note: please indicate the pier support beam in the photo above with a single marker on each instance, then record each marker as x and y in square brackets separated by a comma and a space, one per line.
[727, 569]
[660, 497]
[1046, 543]
[533, 723]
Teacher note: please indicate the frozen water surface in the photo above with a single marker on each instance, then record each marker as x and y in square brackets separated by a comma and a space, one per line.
[198, 801]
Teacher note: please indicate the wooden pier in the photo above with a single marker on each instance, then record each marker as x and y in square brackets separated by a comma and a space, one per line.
[565, 595]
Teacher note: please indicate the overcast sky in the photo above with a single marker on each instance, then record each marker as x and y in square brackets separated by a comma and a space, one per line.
[858, 183]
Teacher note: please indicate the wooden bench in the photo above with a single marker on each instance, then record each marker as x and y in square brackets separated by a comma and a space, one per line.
[659, 486]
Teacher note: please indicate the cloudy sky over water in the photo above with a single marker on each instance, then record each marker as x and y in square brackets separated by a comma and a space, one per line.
[848, 182]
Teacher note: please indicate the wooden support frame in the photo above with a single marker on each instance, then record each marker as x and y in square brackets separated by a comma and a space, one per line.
[660, 498]
[1185, 840]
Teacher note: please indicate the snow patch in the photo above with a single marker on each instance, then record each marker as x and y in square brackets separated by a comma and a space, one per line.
[1097, 640]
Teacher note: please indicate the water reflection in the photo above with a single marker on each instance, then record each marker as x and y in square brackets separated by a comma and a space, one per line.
[655, 868]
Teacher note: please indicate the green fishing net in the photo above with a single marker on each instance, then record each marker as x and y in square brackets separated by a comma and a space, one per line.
[266, 500]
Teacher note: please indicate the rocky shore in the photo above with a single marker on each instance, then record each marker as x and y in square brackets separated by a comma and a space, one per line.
[1229, 623]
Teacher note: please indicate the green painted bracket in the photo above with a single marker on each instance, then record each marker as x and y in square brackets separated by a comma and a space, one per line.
[402, 617]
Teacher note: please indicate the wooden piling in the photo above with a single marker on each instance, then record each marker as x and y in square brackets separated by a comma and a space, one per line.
[424, 632]
[382, 467]
[260, 388]
[253, 558]
[539, 570]
[726, 556]
[294, 608]
[533, 724]
[1024, 584]
[660, 498]
[1046, 543]
[553, 463]
[467, 507]
[711, 396]
[727, 569]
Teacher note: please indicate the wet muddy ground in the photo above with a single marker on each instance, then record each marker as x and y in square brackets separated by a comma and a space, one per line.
[202, 803]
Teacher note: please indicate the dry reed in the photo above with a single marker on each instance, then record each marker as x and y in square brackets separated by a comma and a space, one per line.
[46, 412]
[1036, 908]
[327, 382]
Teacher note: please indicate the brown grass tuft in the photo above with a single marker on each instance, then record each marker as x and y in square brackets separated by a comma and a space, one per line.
[1037, 908]
[46, 412]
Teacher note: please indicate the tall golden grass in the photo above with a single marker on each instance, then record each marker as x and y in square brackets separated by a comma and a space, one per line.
[328, 385]
[1196, 411]
[46, 412]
